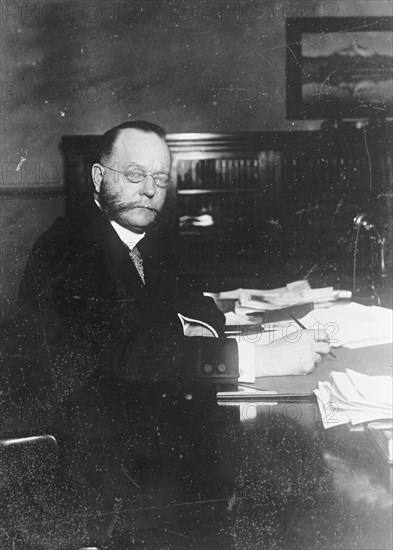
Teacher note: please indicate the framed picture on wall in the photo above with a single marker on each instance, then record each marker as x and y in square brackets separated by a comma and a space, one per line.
[339, 68]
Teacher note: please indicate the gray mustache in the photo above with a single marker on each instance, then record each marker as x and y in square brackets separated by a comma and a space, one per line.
[125, 207]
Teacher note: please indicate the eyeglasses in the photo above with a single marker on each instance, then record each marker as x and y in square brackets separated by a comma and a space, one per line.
[136, 175]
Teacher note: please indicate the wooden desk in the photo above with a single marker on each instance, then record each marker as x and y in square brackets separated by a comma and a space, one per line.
[146, 469]
[376, 360]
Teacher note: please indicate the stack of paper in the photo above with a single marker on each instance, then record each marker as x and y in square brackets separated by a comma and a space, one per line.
[295, 293]
[353, 325]
[232, 319]
[354, 397]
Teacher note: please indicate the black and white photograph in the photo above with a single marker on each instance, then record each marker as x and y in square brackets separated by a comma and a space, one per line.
[344, 66]
[196, 321]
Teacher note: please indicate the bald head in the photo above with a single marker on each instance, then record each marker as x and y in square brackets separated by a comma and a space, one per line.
[133, 202]
[147, 150]
[109, 138]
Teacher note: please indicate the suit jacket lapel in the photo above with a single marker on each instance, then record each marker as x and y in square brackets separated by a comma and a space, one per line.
[93, 228]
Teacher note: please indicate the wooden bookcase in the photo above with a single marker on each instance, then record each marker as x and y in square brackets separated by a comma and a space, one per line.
[260, 208]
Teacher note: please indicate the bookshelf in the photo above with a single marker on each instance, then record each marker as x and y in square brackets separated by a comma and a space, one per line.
[218, 194]
[260, 208]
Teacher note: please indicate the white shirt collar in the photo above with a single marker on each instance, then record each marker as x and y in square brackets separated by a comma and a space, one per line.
[129, 238]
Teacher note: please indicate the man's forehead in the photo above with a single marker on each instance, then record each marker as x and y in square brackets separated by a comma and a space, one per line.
[132, 141]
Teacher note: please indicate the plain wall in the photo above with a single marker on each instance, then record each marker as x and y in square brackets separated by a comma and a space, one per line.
[83, 67]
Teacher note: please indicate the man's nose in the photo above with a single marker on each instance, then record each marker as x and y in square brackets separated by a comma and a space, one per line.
[148, 186]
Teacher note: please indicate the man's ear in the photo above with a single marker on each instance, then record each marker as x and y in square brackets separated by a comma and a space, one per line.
[97, 175]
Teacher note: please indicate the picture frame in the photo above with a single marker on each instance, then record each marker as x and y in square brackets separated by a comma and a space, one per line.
[339, 68]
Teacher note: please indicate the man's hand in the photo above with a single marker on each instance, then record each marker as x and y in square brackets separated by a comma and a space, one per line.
[296, 355]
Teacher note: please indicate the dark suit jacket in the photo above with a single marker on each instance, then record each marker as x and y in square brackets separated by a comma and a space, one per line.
[85, 311]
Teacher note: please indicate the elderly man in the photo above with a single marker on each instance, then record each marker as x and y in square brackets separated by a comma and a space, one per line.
[101, 289]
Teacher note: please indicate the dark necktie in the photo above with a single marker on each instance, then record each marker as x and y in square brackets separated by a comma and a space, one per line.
[136, 258]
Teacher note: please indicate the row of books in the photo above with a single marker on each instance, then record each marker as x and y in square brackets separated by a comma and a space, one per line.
[271, 167]
[225, 173]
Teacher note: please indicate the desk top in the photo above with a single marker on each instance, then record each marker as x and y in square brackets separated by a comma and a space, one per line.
[147, 469]
[376, 360]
